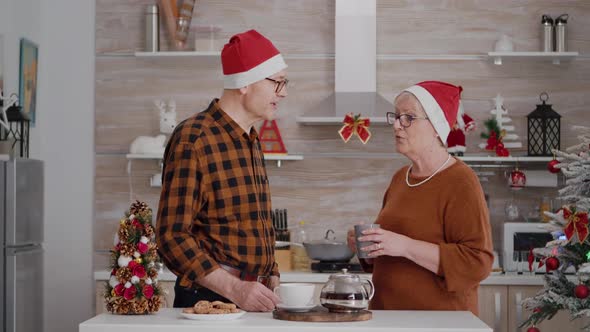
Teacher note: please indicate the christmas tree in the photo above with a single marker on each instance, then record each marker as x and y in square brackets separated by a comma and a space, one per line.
[500, 136]
[571, 244]
[133, 286]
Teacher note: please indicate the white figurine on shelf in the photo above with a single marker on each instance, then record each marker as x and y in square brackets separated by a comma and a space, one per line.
[148, 145]
[6, 102]
[510, 139]
[167, 115]
[157, 144]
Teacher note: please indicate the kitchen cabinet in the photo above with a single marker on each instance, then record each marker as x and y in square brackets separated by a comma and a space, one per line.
[501, 308]
[493, 307]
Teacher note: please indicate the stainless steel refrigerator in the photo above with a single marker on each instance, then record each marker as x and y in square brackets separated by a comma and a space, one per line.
[21, 239]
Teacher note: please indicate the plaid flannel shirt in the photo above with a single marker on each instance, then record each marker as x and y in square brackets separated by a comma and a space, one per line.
[215, 202]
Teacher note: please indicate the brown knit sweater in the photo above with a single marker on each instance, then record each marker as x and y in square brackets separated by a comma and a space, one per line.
[448, 210]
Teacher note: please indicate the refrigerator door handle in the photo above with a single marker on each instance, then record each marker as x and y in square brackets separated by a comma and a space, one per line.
[20, 250]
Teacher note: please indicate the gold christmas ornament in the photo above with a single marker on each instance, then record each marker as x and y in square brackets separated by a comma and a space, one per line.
[152, 273]
[124, 275]
[149, 231]
[154, 304]
[127, 250]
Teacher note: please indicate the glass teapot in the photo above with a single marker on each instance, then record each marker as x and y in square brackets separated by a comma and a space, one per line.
[345, 292]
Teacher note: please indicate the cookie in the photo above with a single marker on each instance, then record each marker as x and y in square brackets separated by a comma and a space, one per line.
[222, 305]
[215, 311]
[202, 307]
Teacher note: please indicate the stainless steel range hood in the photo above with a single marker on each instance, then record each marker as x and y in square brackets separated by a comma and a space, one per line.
[355, 68]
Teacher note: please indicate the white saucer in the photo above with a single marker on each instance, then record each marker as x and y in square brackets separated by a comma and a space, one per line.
[295, 308]
[213, 316]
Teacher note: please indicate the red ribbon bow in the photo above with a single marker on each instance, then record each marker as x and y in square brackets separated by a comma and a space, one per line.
[354, 124]
[577, 224]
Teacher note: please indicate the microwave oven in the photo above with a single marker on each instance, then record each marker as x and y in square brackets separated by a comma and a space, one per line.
[519, 239]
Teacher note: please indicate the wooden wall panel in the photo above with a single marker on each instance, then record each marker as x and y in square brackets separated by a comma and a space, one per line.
[468, 27]
[295, 26]
[325, 190]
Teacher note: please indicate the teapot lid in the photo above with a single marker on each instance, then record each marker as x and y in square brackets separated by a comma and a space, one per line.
[344, 275]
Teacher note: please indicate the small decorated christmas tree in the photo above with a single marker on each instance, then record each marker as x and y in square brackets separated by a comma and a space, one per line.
[501, 136]
[571, 247]
[133, 286]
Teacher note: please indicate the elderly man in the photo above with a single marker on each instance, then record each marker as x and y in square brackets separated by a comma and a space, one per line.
[213, 226]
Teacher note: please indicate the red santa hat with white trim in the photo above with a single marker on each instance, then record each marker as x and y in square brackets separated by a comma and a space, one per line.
[441, 102]
[249, 57]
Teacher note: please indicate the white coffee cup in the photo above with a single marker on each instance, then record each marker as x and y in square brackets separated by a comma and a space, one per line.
[296, 294]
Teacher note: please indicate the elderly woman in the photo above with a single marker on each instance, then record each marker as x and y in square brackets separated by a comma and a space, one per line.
[434, 245]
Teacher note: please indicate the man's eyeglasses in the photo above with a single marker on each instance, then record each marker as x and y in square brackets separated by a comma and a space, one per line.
[279, 84]
[405, 120]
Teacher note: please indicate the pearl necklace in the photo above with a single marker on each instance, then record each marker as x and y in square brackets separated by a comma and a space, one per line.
[428, 178]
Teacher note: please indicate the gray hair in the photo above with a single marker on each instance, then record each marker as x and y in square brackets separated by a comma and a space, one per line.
[407, 94]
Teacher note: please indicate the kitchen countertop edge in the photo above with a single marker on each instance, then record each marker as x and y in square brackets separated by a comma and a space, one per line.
[315, 277]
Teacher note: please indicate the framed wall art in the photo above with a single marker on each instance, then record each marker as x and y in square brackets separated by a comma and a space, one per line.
[29, 53]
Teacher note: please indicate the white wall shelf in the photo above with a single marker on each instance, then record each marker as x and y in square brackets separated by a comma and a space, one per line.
[144, 156]
[449, 57]
[555, 57]
[509, 159]
[372, 155]
[155, 180]
[178, 54]
[275, 157]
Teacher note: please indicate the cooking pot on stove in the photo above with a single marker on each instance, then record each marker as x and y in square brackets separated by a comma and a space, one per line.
[328, 250]
[346, 292]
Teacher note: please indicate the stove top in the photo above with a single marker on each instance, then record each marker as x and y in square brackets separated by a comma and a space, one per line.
[335, 266]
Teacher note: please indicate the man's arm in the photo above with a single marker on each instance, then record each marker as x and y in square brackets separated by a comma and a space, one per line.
[181, 196]
[248, 295]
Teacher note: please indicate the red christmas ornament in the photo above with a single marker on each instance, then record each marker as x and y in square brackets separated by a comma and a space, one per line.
[551, 166]
[552, 263]
[533, 329]
[581, 291]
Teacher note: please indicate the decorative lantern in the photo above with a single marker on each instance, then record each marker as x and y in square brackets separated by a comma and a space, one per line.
[543, 129]
[18, 132]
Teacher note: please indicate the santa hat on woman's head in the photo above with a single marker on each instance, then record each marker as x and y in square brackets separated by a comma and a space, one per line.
[440, 101]
[249, 57]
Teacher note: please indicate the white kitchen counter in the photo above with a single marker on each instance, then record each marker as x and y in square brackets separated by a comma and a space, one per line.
[383, 320]
[314, 277]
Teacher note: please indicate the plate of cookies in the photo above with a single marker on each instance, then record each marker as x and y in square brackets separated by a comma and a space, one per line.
[216, 310]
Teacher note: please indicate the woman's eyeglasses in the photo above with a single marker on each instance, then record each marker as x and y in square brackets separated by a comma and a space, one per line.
[279, 84]
[405, 120]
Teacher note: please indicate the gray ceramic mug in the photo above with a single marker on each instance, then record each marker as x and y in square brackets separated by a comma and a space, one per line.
[358, 232]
